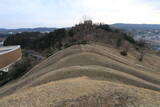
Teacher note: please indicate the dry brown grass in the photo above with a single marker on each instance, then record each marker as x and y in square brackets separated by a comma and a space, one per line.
[103, 65]
[83, 92]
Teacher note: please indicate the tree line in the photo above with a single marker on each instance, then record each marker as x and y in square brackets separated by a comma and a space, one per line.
[82, 33]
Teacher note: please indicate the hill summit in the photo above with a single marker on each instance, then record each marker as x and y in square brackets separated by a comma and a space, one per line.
[91, 65]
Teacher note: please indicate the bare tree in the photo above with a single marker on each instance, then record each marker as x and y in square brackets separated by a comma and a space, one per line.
[141, 55]
[142, 45]
[125, 47]
[86, 18]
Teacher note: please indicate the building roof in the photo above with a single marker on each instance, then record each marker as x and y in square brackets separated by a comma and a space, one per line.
[9, 55]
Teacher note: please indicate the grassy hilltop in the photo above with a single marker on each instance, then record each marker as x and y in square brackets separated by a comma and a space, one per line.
[94, 73]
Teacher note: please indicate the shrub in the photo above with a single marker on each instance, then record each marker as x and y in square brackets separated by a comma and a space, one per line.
[83, 42]
[129, 39]
[142, 45]
[2, 75]
[20, 68]
[124, 53]
[119, 42]
[68, 45]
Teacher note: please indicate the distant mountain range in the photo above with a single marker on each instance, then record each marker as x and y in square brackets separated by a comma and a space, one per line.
[137, 26]
[13, 31]
[4, 31]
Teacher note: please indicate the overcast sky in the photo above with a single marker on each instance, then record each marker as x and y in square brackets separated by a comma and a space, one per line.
[63, 13]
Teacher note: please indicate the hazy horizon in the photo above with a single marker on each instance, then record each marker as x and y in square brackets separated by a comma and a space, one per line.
[70, 26]
[65, 13]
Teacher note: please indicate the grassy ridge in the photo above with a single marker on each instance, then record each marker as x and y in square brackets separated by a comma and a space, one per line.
[97, 62]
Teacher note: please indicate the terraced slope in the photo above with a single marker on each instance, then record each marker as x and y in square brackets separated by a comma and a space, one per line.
[106, 72]
[83, 92]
